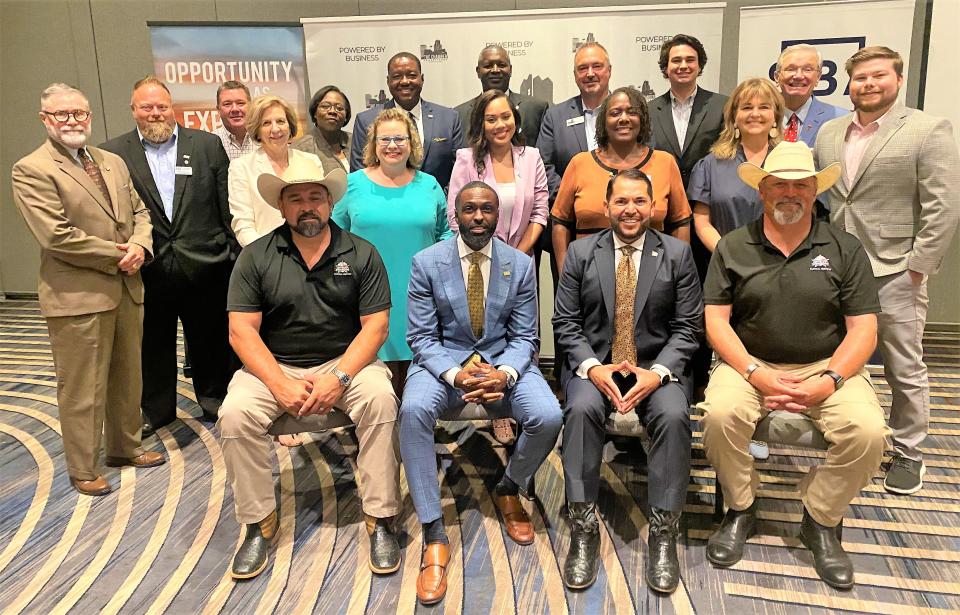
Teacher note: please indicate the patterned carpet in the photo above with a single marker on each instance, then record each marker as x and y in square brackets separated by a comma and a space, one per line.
[162, 542]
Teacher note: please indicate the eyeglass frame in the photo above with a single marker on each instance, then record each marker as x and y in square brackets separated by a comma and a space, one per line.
[325, 106]
[69, 114]
[397, 140]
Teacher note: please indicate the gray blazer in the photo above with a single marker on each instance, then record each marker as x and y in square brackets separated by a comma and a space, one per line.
[560, 141]
[904, 203]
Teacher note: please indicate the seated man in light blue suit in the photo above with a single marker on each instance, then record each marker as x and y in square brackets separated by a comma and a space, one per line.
[798, 73]
[439, 127]
[472, 306]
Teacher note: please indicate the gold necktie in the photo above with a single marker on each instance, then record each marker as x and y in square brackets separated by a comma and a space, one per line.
[475, 293]
[624, 348]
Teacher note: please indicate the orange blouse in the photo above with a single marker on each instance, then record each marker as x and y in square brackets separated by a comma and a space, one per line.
[580, 198]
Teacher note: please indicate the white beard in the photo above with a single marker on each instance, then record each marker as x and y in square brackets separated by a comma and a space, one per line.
[71, 139]
[787, 213]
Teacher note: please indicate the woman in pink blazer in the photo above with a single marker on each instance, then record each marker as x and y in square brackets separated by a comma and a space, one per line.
[498, 157]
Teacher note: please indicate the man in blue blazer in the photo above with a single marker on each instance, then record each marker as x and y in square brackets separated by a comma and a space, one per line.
[472, 309]
[439, 127]
[798, 73]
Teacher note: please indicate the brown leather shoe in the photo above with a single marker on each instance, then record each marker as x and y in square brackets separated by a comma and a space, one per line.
[97, 486]
[515, 519]
[147, 459]
[432, 582]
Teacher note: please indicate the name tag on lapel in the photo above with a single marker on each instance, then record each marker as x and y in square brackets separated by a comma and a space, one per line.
[574, 121]
[439, 139]
[183, 170]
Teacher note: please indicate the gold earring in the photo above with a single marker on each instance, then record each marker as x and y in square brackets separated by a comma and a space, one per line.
[774, 133]
[736, 133]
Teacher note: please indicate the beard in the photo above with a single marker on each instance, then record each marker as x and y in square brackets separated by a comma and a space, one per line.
[156, 132]
[308, 225]
[787, 213]
[474, 241]
[74, 139]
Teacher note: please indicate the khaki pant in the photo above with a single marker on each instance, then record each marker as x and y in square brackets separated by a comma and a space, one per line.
[97, 360]
[249, 409]
[851, 421]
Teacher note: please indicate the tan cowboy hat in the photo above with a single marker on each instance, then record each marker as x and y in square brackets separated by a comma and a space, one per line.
[789, 161]
[302, 171]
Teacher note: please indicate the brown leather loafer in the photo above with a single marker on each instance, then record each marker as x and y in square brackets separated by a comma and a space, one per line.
[515, 519]
[147, 459]
[97, 486]
[432, 581]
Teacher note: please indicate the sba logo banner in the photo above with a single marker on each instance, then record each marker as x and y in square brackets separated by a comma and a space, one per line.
[835, 52]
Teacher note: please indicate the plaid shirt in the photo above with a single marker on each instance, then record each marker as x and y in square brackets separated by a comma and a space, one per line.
[234, 149]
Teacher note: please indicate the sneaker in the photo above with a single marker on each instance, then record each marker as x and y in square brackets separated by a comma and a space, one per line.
[905, 475]
[759, 450]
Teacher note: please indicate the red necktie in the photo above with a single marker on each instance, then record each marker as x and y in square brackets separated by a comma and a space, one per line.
[792, 129]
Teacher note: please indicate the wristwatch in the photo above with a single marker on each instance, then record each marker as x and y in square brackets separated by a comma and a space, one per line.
[749, 371]
[511, 381]
[837, 378]
[344, 378]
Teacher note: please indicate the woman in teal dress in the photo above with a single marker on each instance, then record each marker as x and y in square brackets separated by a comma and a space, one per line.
[398, 209]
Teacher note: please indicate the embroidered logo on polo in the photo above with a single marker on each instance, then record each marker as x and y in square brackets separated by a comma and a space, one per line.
[820, 263]
[341, 268]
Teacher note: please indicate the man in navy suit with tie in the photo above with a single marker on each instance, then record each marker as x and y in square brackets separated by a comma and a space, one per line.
[439, 127]
[472, 308]
[798, 73]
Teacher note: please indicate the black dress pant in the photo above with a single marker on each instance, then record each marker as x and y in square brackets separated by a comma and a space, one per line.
[201, 308]
[665, 417]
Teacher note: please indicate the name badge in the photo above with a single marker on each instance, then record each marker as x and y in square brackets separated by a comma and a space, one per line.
[574, 121]
[183, 170]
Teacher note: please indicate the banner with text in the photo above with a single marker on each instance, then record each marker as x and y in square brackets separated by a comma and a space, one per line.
[352, 52]
[836, 29]
[194, 60]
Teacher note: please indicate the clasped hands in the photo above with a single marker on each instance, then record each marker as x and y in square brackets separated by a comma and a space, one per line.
[481, 383]
[310, 394]
[784, 391]
[602, 377]
[132, 259]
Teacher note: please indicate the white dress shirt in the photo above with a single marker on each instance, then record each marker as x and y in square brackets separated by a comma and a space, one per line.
[464, 251]
[590, 125]
[681, 115]
[417, 112]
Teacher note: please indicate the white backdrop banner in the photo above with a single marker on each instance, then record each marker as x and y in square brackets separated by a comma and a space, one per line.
[352, 52]
[836, 29]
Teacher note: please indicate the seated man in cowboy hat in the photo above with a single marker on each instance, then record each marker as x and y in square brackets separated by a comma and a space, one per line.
[791, 311]
[309, 306]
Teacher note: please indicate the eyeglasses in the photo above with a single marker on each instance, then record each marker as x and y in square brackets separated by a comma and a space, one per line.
[62, 116]
[325, 106]
[806, 70]
[386, 141]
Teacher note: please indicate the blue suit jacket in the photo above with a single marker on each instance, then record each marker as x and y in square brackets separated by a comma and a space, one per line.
[819, 114]
[441, 137]
[559, 142]
[438, 327]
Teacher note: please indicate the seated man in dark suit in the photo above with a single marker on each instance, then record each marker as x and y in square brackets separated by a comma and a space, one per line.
[439, 127]
[494, 70]
[628, 316]
[472, 310]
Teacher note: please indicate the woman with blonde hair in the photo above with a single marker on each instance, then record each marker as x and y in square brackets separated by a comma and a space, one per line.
[751, 127]
[400, 210]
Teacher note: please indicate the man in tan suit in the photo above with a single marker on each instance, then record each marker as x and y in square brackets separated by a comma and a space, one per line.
[899, 194]
[94, 234]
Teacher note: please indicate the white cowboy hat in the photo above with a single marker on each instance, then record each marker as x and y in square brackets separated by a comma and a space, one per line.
[789, 160]
[302, 171]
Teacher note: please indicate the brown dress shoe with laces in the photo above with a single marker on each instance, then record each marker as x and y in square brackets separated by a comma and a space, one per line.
[515, 520]
[147, 459]
[97, 486]
[432, 581]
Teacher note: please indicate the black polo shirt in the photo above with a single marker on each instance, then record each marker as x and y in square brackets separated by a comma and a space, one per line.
[791, 309]
[310, 316]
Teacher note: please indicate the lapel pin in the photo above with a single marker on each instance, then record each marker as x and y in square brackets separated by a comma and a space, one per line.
[653, 253]
[506, 274]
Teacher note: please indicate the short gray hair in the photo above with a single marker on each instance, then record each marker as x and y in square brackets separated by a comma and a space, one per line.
[60, 88]
[800, 47]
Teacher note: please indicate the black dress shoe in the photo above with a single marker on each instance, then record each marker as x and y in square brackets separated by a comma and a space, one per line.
[663, 567]
[725, 547]
[147, 430]
[831, 561]
[583, 558]
[384, 549]
[252, 556]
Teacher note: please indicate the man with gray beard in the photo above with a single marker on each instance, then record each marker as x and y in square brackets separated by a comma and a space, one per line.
[181, 176]
[791, 311]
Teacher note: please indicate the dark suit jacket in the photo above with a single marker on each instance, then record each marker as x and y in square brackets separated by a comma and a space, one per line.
[668, 307]
[199, 235]
[531, 115]
[441, 139]
[706, 120]
[559, 141]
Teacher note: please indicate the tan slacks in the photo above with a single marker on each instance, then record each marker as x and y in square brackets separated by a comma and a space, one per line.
[249, 409]
[97, 360]
[851, 421]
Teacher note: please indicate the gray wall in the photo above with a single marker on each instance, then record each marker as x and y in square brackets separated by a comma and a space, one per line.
[103, 46]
